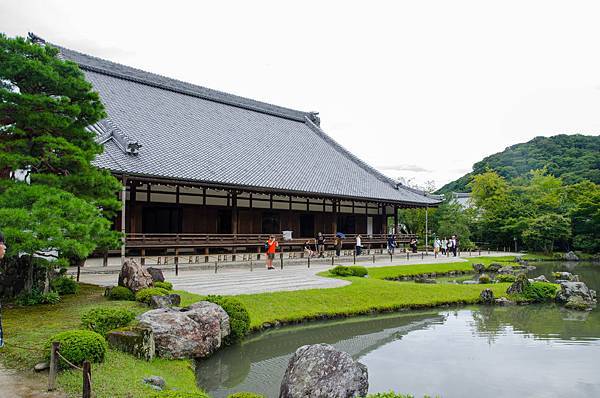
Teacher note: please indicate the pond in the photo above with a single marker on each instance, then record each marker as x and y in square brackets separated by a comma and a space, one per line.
[533, 351]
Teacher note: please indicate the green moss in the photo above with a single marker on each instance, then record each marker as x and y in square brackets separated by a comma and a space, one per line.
[144, 295]
[506, 278]
[103, 319]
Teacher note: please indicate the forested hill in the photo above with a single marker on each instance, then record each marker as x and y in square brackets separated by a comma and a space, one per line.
[572, 157]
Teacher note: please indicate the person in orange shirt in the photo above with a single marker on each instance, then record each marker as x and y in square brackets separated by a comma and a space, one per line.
[271, 247]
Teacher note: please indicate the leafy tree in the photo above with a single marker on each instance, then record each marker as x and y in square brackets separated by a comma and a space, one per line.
[46, 106]
[546, 230]
[452, 219]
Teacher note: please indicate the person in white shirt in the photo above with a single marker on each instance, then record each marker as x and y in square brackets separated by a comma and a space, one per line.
[358, 245]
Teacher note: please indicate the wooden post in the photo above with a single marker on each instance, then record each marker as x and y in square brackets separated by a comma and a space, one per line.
[407, 255]
[53, 366]
[308, 261]
[105, 259]
[234, 213]
[396, 219]
[143, 258]
[87, 380]
[332, 259]
[391, 257]
[373, 258]
[78, 269]
[354, 255]
[176, 261]
[123, 204]
[216, 267]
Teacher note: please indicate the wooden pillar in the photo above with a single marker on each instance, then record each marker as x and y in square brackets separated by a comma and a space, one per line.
[234, 213]
[123, 204]
[385, 218]
[335, 215]
[395, 219]
[132, 206]
[366, 218]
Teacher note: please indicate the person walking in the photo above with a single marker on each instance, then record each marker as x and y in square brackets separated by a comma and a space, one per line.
[271, 247]
[358, 245]
[436, 246]
[338, 245]
[454, 245]
[443, 246]
[449, 247]
[391, 243]
[321, 245]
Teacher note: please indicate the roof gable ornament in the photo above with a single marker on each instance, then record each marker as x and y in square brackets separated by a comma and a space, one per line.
[314, 117]
[107, 130]
[35, 39]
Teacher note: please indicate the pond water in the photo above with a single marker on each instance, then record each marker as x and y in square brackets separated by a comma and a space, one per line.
[532, 351]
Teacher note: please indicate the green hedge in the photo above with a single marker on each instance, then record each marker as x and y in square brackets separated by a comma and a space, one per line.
[103, 319]
[121, 293]
[164, 285]
[239, 319]
[64, 285]
[144, 295]
[540, 292]
[355, 270]
[79, 345]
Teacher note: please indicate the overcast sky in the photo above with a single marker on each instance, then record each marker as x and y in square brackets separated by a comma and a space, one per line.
[418, 89]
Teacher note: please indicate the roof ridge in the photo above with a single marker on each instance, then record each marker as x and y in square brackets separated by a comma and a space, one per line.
[85, 62]
[349, 154]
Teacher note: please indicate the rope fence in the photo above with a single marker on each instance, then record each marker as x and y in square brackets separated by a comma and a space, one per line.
[86, 370]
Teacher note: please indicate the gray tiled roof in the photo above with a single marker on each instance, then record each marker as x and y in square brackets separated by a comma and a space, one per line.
[188, 132]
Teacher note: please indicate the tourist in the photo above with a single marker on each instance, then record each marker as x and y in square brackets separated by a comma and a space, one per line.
[454, 245]
[449, 247]
[271, 247]
[437, 243]
[391, 243]
[321, 245]
[307, 249]
[338, 245]
[358, 245]
[443, 246]
[413, 245]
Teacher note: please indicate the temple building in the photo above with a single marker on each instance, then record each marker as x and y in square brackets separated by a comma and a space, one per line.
[203, 167]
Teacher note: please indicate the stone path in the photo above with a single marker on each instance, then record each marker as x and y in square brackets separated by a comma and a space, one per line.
[238, 279]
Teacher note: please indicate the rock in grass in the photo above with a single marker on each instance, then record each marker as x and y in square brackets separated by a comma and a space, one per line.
[519, 285]
[134, 276]
[193, 332]
[487, 296]
[479, 268]
[170, 300]
[137, 341]
[41, 366]
[155, 381]
[494, 267]
[506, 270]
[320, 370]
[156, 273]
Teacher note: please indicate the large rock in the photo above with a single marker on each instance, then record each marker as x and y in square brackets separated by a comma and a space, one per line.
[170, 300]
[193, 332]
[570, 256]
[479, 268]
[322, 371]
[576, 295]
[506, 270]
[519, 285]
[134, 276]
[137, 341]
[487, 296]
[541, 278]
[156, 273]
[494, 267]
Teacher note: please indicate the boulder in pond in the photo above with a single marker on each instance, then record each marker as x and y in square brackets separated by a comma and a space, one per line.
[479, 268]
[487, 296]
[320, 370]
[134, 276]
[156, 273]
[519, 285]
[137, 341]
[540, 278]
[570, 256]
[569, 291]
[506, 270]
[170, 300]
[193, 332]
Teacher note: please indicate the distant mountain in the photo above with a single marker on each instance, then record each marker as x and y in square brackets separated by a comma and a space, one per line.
[572, 157]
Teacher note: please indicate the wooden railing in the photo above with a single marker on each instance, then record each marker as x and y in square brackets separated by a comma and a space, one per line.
[137, 240]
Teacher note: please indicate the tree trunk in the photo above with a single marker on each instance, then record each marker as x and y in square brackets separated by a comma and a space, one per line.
[29, 277]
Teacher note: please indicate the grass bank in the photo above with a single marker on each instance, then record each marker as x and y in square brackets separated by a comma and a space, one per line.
[26, 330]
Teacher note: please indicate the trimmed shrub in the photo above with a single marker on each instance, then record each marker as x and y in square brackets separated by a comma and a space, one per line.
[103, 319]
[178, 394]
[506, 278]
[145, 294]
[49, 298]
[121, 293]
[245, 394]
[164, 285]
[35, 297]
[239, 319]
[485, 279]
[64, 285]
[342, 270]
[390, 394]
[540, 292]
[79, 345]
[358, 270]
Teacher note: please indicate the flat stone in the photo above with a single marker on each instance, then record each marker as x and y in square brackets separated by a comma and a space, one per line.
[41, 366]
[137, 341]
[540, 278]
[155, 381]
[156, 273]
[170, 300]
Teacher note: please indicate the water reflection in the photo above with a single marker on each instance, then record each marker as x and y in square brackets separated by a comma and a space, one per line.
[533, 351]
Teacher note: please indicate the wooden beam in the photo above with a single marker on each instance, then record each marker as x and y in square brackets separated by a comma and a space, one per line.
[123, 204]
[203, 196]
